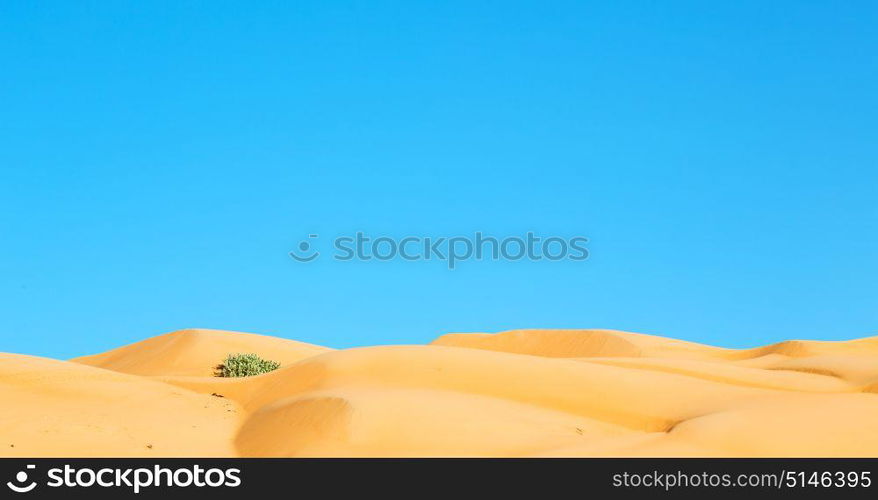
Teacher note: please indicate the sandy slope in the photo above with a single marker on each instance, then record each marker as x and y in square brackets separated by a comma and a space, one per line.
[517, 393]
[196, 352]
[58, 408]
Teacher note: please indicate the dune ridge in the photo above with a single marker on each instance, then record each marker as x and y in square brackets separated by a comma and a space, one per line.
[196, 352]
[516, 393]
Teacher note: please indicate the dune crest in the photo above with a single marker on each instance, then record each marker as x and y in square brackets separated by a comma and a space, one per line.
[195, 352]
[580, 343]
[516, 393]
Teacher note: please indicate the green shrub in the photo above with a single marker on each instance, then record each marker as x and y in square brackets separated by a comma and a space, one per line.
[245, 365]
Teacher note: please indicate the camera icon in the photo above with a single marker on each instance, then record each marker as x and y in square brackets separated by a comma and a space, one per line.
[20, 478]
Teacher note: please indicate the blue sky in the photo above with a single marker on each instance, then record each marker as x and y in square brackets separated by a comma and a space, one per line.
[158, 160]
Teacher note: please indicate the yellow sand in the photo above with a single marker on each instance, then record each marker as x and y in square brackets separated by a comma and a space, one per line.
[517, 393]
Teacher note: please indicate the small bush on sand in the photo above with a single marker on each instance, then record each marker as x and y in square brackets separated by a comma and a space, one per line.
[245, 365]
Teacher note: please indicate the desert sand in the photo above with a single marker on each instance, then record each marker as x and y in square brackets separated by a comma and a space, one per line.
[521, 393]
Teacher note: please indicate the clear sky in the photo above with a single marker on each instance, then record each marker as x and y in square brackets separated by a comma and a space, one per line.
[158, 160]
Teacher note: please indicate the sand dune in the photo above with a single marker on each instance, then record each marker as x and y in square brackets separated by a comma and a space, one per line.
[581, 343]
[196, 352]
[517, 393]
[57, 408]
